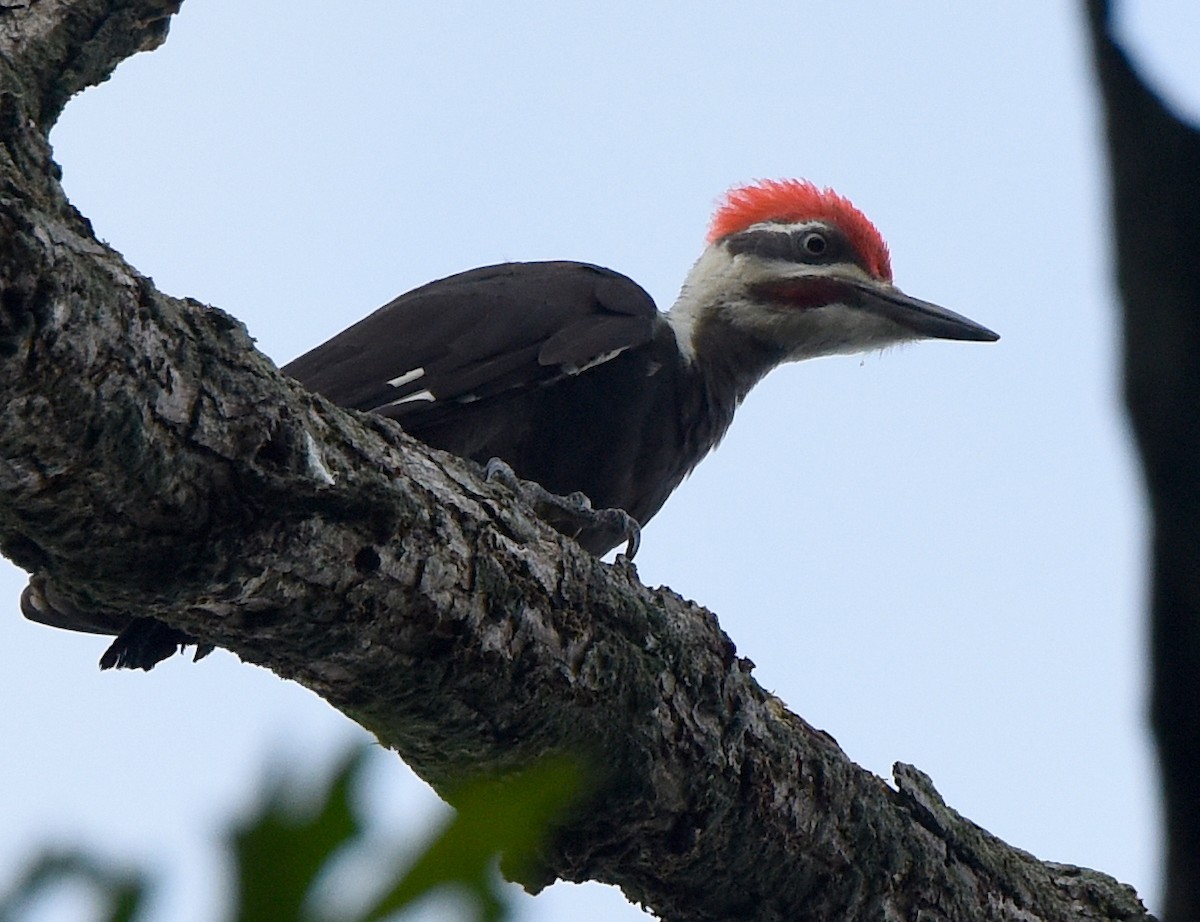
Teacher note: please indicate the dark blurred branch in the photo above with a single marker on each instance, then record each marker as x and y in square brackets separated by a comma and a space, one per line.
[152, 462]
[1155, 165]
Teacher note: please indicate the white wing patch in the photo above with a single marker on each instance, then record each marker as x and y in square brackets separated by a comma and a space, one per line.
[413, 397]
[598, 360]
[401, 380]
[407, 378]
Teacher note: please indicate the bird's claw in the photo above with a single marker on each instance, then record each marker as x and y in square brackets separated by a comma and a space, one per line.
[621, 522]
[498, 471]
[571, 515]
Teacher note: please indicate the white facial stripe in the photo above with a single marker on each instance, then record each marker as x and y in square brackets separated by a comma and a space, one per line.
[845, 271]
[683, 323]
[720, 278]
[753, 268]
[721, 283]
[787, 227]
[708, 283]
[401, 380]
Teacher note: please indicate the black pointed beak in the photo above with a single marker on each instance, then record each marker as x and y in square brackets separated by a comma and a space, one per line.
[926, 320]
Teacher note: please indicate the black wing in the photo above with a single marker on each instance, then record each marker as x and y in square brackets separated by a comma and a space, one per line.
[475, 335]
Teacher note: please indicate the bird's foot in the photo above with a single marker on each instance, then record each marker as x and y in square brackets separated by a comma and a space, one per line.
[596, 530]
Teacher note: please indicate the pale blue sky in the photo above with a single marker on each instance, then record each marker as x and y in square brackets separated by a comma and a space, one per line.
[936, 554]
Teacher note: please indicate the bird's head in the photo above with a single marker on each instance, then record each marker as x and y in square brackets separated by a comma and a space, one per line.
[800, 272]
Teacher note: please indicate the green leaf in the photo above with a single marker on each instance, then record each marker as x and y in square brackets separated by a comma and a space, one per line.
[280, 852]
[510, 817]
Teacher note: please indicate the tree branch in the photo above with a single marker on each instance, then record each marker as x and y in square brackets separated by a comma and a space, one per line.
[58, 47]
[153, 462]
[1155, 165]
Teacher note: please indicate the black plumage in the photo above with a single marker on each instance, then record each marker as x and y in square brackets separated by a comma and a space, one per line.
[566, 371]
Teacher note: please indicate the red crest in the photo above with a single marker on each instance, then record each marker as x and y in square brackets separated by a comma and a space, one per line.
[793, 200]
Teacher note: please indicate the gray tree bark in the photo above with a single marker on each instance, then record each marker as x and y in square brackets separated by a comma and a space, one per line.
[152, 461]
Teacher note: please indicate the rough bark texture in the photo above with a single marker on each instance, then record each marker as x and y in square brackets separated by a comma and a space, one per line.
[1155, 165]
[152, 461]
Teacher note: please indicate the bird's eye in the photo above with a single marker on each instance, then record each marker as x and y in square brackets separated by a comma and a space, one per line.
[814, 243]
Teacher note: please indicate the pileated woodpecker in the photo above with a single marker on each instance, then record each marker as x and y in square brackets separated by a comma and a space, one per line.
[569, 374]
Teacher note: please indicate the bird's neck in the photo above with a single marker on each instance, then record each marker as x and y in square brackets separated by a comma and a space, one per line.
[730, 358]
